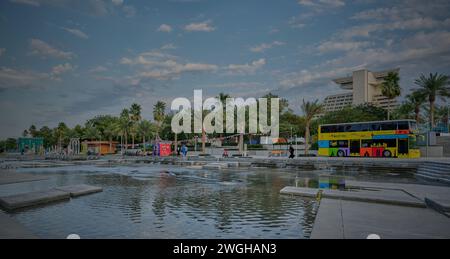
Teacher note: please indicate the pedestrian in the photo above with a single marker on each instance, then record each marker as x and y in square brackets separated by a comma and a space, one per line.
[291, 151]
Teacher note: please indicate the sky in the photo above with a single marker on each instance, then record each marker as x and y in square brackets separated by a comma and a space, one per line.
[70, 60]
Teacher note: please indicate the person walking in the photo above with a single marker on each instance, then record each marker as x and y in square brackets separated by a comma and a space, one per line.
[291, 151]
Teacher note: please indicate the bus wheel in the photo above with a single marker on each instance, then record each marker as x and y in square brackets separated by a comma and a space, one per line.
[340, 153]
[387, 153]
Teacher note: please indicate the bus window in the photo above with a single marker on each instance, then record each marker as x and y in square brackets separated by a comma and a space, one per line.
[355, 127]
[375, 126]
[389, 126]
[403, 125]
[326, 129]
[348, 128]
[340, 128]
[354, 146]
[365, 127]
[366, 143]
[342, 143]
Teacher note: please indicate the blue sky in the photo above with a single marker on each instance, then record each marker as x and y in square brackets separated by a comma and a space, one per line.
[68, 60]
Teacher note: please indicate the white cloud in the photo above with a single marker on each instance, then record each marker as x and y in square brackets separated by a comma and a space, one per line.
[322, 3]
[203, 26]
[329, 46]
[246, 68]
[43, 49]
[58, 70]
[129, 10]
[165, 28]
[76, 32]
[98, 69]
[12, 78]
[168, 46]
[265, 46]
[162, 66]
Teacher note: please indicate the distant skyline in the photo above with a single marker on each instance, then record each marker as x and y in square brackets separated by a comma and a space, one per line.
[69, 60]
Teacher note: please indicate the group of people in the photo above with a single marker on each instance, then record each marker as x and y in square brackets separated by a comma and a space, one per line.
[182, 150]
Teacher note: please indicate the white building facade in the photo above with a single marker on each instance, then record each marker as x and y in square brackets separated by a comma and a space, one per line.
[364, 87]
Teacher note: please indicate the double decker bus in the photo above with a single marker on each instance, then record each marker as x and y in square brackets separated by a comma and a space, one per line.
[395, 138]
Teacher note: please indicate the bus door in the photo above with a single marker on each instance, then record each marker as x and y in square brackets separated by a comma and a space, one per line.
[355, 147]
[403, 148]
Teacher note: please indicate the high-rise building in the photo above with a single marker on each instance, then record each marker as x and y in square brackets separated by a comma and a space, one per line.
[364, 87]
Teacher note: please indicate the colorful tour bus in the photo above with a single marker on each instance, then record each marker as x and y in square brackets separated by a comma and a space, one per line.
[396, 138]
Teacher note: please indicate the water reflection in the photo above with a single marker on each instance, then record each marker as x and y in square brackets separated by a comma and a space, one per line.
[140, 202]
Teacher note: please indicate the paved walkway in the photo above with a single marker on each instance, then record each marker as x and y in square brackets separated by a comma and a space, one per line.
[339, 219]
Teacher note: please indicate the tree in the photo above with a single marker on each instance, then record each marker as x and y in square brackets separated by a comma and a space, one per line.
[442, 114]
[159, 113]
[123, 127]
[33, 131]
[135, 116]
[435, 85]
[416, 100]
[91, 133]
[25, 133]
[61, 132]
[145, 128]
[110, 131]
[310, 110]
[391, 88]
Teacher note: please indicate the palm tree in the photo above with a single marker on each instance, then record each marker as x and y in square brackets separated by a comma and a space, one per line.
[391, 88]
[91, 133]
[145, 128]
[135, 116]
[442, 114]
[416, 100]
[310, 109]
[110, 131]
[159, 115]
[61, 132]
[123, 126]
[431, 87]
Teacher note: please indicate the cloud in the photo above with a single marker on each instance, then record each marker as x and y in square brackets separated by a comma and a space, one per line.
[43, 49]
[98, 69]
[161, 66]
[76, 32]
[129, 11]
[265, 46]
[62, 68]
[168, 46]
[91, 7]
[165, 28]
[12, 78]
[322, 3]
[246, 68]
[202, 27]
[329, 46]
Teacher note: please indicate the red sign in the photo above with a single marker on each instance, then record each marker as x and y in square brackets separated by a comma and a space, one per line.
[164, 150]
